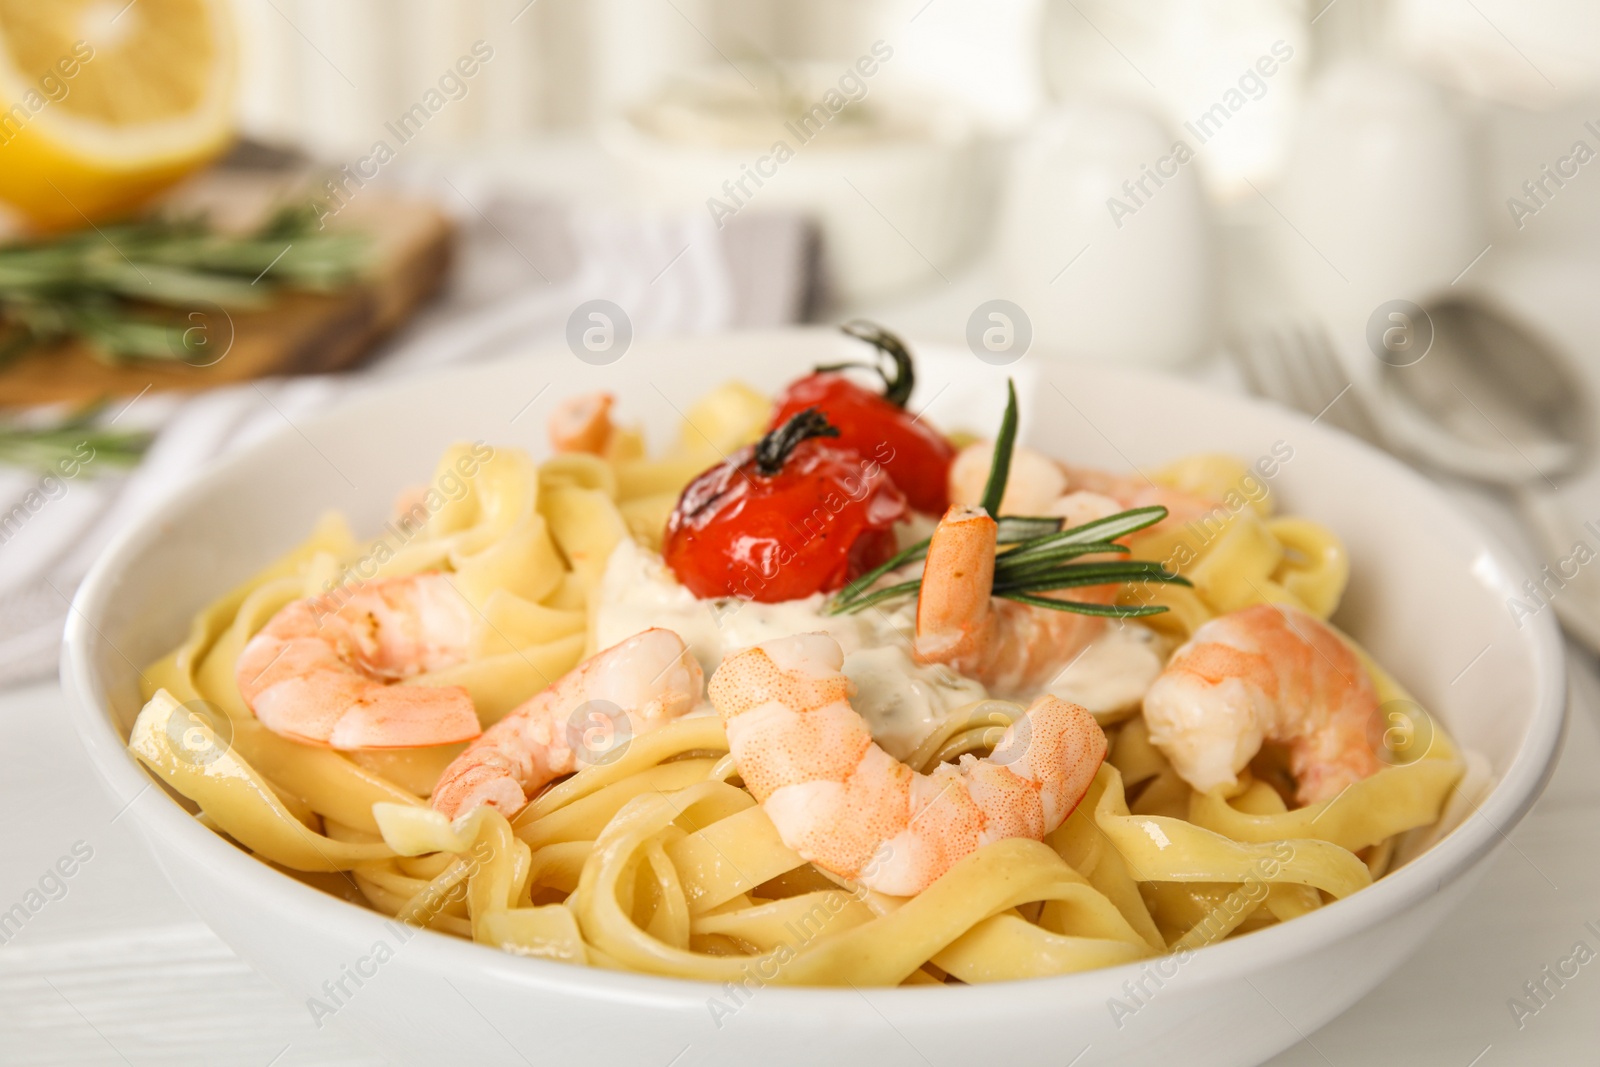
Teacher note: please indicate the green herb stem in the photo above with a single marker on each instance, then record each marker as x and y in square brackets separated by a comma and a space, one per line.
[994, 490]
[43, 448]
[115, 288]
[1078, 607]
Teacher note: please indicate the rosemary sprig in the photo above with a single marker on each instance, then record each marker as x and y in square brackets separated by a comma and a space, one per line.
[1013, 529]
[1040, 562]
[43, 448]
[1037, 564]
[113, 287]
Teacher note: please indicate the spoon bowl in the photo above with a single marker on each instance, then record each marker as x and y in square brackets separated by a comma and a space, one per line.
[1490, 398]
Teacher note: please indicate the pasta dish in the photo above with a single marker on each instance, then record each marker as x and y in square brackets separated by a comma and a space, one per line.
[816, 695]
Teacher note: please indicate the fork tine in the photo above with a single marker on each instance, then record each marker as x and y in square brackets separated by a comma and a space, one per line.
[1332, 383]
[1245, 350]
[1297, 365]
[1358, 408]
[1348, 411]
[1263, 363]
[1300, 370]
[1325, 386]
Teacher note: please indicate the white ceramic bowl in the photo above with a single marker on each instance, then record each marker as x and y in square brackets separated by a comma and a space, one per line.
[1427, 595]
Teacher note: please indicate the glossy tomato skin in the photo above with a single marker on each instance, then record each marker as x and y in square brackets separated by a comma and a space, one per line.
[916, 455]
[826, 517]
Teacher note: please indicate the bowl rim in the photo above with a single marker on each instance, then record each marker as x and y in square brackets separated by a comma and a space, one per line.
[1443, 863]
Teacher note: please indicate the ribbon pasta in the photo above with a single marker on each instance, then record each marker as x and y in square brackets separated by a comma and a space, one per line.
[660, 861]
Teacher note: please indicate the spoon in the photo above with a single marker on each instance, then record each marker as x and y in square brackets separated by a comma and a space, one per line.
[1495, 402]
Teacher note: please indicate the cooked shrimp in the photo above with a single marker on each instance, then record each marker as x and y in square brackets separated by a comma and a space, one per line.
[582, 423]
[846, 805]
[1040, 485]
[323, 669]
[1137, 491]
[632, 687]
[1013, 649]
[1266, 673]
[1081, 506]
[1034, 483]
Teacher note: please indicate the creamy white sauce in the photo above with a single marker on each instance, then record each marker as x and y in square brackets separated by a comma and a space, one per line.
[901, 701]
[1111, 675]
[913, 528]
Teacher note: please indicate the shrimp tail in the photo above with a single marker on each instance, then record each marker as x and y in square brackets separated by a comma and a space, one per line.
[1011, 648]
[582, 424]
[954, 620]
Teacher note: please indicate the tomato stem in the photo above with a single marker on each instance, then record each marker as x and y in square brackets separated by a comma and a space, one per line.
[773, 449]
[899, 378]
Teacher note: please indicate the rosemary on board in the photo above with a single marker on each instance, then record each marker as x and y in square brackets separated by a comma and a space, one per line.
[45, 448]
[130, 290]
[1041, 560]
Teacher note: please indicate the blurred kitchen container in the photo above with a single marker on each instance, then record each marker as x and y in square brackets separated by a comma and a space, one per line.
[1380, 201]
[892, 177]
[1106, 239]
[1193, 63]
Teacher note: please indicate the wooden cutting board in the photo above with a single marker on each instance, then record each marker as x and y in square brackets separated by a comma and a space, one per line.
[299, 333]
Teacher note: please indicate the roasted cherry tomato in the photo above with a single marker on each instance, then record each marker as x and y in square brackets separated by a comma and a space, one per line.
[877, 425]
[789, 516]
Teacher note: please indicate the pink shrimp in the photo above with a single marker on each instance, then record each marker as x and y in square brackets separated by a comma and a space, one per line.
[1013, 649]
[849, 807]
[323, 669]
[1041, 485]
[582, 423]
[1137, 491]
[630, 688]
[1266, 673]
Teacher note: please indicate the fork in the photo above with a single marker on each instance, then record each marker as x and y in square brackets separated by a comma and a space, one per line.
[1298, 366]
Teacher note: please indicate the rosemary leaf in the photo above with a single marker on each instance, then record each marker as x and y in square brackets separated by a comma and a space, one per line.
[41, 448]
[1113, 611]
[118, 288]
[877, 596]
[1052, 559]
[856, 588]
[1100, 530]
[1073, 578]
[1009, 529]
[994, 490]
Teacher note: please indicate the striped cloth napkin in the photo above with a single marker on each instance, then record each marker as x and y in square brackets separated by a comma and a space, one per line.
[670, 274]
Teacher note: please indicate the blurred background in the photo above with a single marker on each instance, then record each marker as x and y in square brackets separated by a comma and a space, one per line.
[220, 214]
[218, 217]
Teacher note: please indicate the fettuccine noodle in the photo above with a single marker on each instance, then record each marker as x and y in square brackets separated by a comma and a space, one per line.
[660, 861]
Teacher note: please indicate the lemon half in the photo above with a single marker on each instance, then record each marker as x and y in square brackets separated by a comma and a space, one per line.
[104, 103]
